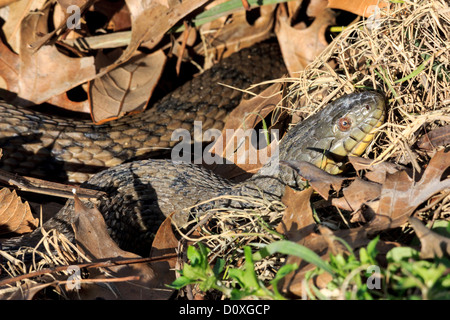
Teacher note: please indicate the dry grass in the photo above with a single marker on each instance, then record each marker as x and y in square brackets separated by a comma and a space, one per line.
[407, 57]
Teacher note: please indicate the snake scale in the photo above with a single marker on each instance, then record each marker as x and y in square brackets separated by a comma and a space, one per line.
[141, 193]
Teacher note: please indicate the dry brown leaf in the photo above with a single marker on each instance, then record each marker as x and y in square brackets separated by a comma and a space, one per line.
[363, 8]
[126, 88]
[165, 243]
[376, 171]
[117, 13]
[62, 100]
[4, 3]
[16, 13]
[299, 44]
[66, 3]
[92, 237]
[225, 36]
[9, 71]
[47, 72]
[432, 244]
[15, 216]
[44, 38]
[230, 145]
[298, 221]
[358, 193]
[401, 195]
[319, 179]
[149, 22]
[435, 138]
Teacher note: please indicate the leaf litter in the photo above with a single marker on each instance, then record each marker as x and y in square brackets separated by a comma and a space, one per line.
[396, 185]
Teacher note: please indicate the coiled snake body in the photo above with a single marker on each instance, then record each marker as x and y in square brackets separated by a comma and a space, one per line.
[141, 193]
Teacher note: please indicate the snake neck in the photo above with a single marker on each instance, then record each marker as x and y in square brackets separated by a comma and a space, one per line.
[270, 181]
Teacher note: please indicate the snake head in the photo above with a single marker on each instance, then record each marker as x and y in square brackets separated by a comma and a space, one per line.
[344, 127]
[353, 126]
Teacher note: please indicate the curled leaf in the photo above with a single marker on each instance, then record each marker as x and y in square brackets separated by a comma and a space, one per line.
[401, 194]
[15, 216]
[92, 237]
[432, 244]
[309, 41]
[358, 193]
[435, 138]
[126, 88]
[233, 144]
[319, 179]
[298, 221]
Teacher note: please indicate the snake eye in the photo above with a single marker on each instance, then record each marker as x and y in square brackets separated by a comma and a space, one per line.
[344, 124]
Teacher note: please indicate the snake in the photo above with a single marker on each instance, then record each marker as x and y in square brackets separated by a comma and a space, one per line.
[62, 148]
[141, 193]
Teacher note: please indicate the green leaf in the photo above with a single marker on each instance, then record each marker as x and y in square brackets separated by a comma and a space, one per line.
[194, 272]
[180, 283]
[219, 266]
[208, 284]
[250, 275]
[193, 255]
[295, 249]
[282, 272]
[399, 254]
[372, 248]
[364, 256]
[428, 272]
[238, 275]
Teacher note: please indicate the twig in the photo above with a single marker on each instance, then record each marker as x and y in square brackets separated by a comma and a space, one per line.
[97, 264]
[47, 187]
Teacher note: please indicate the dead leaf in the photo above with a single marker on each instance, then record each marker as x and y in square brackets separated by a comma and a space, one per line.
[4, 3]
[165, 243]
[298, 221]
[63, 101]
[364, 8]
[9, 71]
[92, 237]
[15, 216]
[319, 179]
[435, 138]
[149, 22]
[117, 13]
[126, 88]
[47, 72]
[432, 244]
[64, 23]
[16, 13]
[358, 193]
[401, 195]
[376, 172]
[234, 145]
[309, 41]
[67, 3]
[227, 35]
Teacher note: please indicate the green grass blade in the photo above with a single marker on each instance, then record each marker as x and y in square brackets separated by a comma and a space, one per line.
[294, 249]
[415, 72]
[224, 9]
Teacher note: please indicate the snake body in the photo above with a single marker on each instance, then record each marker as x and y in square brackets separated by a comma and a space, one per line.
[52, 147]
[140, 194]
